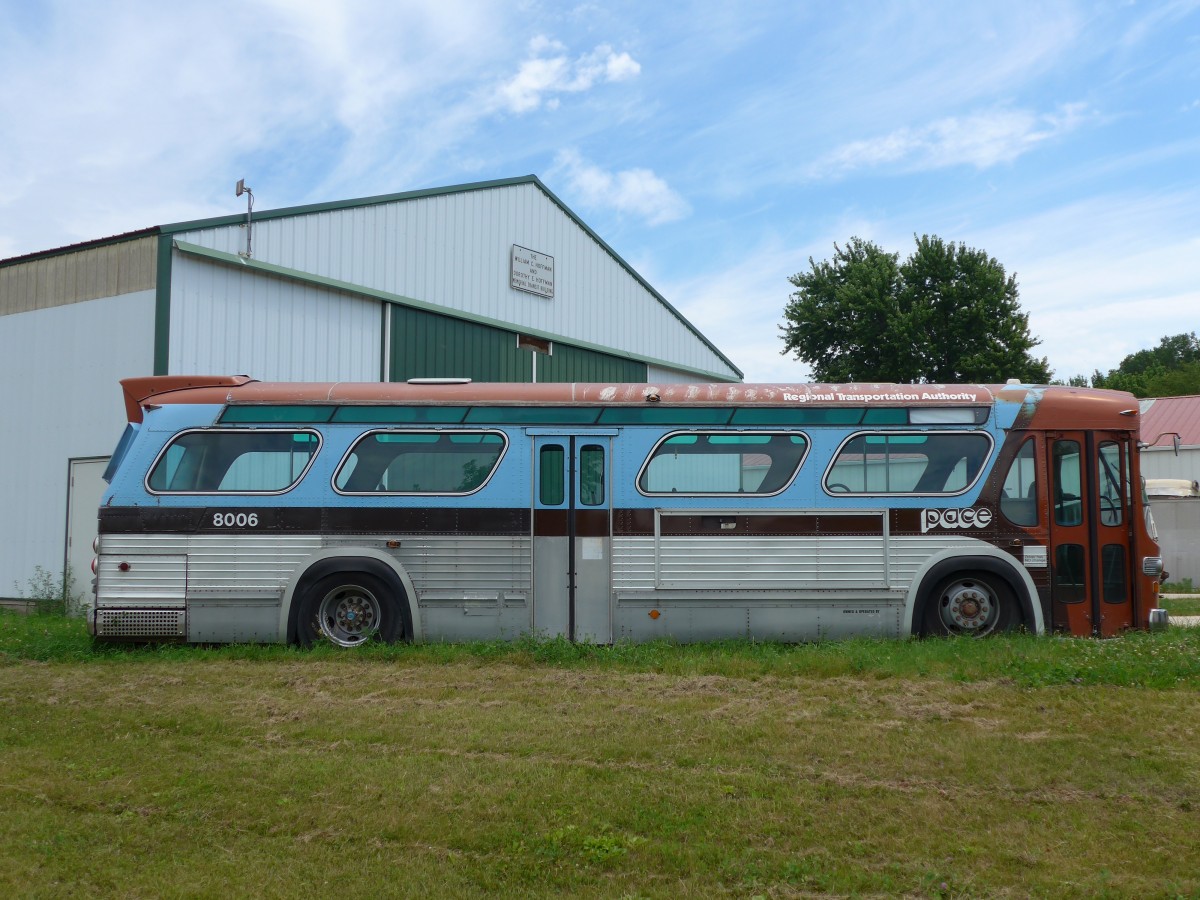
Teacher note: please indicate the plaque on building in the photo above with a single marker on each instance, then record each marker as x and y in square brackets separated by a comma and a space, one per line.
[532, 272]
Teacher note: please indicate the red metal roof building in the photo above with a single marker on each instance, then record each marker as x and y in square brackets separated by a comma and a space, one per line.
[1162, 418]
[1178, 520]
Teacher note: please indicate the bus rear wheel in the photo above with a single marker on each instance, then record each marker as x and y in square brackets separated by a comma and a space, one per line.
[971, 604]
[348, 610]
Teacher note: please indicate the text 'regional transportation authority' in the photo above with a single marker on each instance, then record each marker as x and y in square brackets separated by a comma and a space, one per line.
[247, 511]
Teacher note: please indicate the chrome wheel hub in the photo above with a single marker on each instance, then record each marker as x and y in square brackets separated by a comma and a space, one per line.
[348, 616]
[968, 607]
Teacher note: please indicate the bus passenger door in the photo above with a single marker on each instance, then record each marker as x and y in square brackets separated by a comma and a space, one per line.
[1090, 532]
[572, 537]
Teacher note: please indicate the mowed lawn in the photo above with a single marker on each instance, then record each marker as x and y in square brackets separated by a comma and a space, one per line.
[1013, 767]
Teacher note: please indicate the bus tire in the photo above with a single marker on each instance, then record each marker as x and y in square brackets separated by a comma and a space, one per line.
[348, 609]
[971, 604]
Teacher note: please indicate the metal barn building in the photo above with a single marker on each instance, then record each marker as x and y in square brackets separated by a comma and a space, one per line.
[456, 281]
[1177, 517]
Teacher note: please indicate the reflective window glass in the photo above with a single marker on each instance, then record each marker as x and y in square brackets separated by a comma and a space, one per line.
[1070, 578]
[1068, 484]
[1112, 570]
[1108, 467]
[738, 463]
[457, 462]
[240, 462]
[936, 463]
[591, 475]
[1019, 497]
[551, 481]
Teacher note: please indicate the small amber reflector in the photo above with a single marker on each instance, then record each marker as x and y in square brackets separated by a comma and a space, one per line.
[392, 545]
[654, 613]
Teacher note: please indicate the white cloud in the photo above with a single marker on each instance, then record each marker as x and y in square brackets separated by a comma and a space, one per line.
[1104, 276]
[550, 71]
[141, 113]
[739, 303]
[636, 191]
[982, 140]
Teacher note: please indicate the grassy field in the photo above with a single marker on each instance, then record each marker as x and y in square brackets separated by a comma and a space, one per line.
[1179, 605]
[1009, 767]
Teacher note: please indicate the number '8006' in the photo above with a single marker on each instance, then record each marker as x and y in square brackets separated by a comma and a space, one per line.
[235, 520]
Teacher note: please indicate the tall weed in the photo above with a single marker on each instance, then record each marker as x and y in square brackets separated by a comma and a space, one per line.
[52, 595]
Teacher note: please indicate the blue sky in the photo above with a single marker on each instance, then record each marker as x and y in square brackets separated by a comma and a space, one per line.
[715, 145]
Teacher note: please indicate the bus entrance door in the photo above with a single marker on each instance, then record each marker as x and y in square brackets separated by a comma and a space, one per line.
[572, 537]
[1090, 532]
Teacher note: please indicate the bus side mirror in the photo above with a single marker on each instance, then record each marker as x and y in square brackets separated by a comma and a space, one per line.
[1176, 441]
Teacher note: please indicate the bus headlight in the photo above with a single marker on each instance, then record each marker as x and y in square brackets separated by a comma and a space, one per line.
[1152, 566]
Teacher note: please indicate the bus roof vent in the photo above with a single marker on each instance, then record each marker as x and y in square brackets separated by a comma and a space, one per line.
[1013, 381]
[439, 381]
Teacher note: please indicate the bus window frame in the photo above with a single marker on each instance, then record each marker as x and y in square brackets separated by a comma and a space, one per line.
[504, 445]
[228, 430]
[983, 464]
[725, 432]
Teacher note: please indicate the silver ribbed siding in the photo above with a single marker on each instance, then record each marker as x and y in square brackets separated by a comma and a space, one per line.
[164, 569]
[868, 563]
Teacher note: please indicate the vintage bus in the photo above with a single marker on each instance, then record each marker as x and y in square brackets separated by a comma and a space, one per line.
[447, 510]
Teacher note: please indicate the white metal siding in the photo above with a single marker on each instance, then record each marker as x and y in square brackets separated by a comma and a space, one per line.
[658, 375]
[60, 367]
[1178, 523]
[232, 322]
[454, 249]
[1161, 462]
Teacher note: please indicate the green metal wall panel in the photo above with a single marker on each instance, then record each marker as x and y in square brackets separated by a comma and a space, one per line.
[577, 364]
[426, 345]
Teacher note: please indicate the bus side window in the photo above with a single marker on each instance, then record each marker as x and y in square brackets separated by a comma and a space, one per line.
[1069, 579]
[552, 490]
[1068, 484]
[591, 475]
[1108, 465]
[420, 462]
[1019, 498]
[906, 463]
[246, 462]
[700, 463]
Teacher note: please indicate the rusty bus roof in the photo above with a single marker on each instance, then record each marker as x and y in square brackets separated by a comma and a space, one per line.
[1057, 407]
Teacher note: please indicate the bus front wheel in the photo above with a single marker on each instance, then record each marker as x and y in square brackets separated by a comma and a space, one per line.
[971, 604]
[348, 610]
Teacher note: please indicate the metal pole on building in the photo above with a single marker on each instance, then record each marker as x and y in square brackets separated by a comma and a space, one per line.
[535, 346]
[241, 188]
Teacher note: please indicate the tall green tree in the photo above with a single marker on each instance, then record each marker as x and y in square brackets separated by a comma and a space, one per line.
[949, 313]
[1171, 369]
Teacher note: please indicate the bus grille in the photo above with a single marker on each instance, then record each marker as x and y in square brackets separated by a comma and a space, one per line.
[140, 623]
